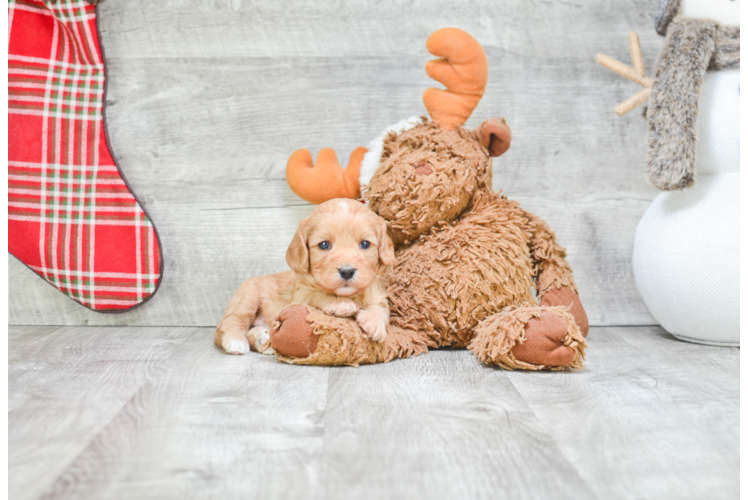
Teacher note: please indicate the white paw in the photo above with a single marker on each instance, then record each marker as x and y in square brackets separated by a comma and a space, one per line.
[236, 346]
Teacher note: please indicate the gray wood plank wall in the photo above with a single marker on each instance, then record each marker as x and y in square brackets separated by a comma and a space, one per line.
[207, 99]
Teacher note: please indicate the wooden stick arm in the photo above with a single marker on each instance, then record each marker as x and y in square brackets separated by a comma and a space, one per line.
[635, 74]
[633, 102]
[624, 70]
[637, 60]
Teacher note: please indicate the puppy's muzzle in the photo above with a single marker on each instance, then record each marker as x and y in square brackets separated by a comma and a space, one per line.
[346, 272]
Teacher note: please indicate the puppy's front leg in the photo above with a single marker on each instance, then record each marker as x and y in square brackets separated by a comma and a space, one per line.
[230, 335]
[344, 308]
[373, 320]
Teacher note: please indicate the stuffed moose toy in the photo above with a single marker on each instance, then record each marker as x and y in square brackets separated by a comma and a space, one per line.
[467, 258]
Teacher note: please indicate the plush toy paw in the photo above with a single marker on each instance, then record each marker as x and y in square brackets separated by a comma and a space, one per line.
[544, 342]
[295, 335]
[341, 309]
[372, 325]
[566, 297]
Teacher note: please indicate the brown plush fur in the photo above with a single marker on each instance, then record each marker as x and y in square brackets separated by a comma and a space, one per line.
[692, 46]
[460, 273]
[467, 260]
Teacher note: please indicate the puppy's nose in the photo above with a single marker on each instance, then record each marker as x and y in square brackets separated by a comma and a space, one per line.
[346, 272]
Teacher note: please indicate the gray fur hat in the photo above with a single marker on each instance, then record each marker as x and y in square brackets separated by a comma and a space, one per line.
[666, 11]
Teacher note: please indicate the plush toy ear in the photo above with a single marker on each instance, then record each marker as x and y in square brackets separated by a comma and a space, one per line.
[297, 255]
[386, 248]
[496, 136]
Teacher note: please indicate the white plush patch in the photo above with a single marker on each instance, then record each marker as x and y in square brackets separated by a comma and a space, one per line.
[236, 346]
[372, 157]
[343, 205]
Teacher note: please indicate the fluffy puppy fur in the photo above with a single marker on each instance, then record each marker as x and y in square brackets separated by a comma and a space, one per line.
[340, 259]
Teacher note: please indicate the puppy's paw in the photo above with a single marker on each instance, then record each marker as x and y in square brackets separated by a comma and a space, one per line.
[259, 339]
[235, 345]
[372, 325]
[341, 308]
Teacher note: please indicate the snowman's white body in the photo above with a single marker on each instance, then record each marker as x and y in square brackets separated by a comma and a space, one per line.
[686, 247]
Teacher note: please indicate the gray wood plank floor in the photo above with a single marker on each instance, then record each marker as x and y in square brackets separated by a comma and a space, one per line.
[207, 99]
[114, 412]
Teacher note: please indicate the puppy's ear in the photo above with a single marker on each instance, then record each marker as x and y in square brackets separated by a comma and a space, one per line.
[297, 255]
[386, 248]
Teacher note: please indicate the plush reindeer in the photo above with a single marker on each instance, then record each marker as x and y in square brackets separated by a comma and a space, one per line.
[467, 258]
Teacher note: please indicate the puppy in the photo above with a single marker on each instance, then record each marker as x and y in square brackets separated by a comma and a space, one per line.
[340, 258]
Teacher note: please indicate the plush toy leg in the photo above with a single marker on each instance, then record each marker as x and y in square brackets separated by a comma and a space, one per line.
[310, 337]
[529, 338]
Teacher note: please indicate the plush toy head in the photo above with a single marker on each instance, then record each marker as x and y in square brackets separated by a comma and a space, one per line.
[420, 172]
[428, 174]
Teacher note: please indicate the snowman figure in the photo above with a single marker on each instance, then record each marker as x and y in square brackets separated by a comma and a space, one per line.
[686, 246]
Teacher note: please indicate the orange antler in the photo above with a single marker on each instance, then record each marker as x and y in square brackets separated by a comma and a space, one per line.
[327, 179]
[462, 68]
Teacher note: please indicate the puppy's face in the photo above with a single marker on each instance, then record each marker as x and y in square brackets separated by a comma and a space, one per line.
[343, 245]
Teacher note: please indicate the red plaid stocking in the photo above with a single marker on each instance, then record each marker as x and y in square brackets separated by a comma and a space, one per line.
[71, 216]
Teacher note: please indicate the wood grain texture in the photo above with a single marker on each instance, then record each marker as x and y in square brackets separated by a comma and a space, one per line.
[65, 385]
[162, 413]
[643, 400]
[208, 99]
[212, 426]
[438, 426]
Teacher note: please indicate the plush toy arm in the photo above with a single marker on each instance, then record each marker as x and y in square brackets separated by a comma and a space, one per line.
[553, 276]
[307, 336]
[549, 258]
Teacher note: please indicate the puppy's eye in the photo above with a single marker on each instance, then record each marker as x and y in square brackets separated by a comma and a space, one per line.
[365, 244]
[325, 245]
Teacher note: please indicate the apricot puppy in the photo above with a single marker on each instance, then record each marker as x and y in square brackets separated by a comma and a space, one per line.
[340, 258]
